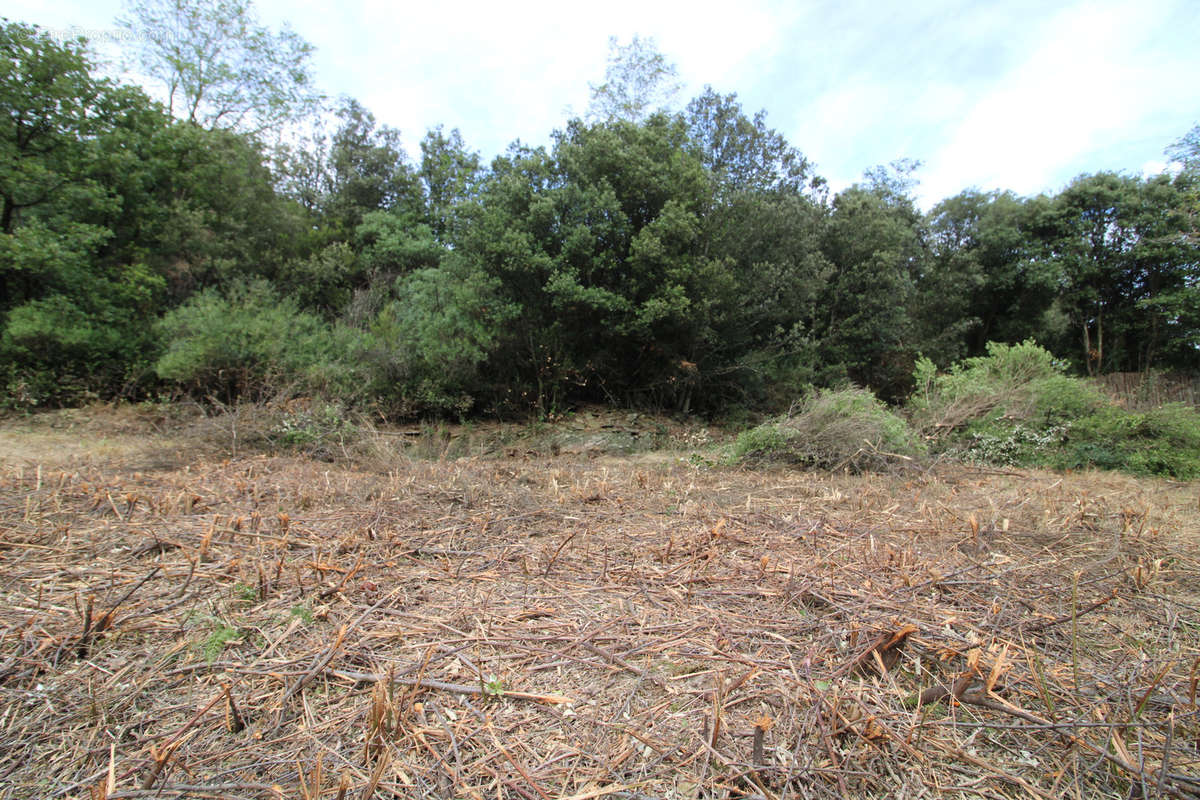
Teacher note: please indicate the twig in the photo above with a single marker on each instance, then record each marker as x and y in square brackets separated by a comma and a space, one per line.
[1075, 615]
[457, 688]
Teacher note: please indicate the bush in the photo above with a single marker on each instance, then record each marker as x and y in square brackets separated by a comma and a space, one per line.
[323, 283]
[1164, 441]
[1059, 399]
[251, 344]
[1005, 379]
[427, 348]
[1015, 407]
[847, 428]
[60, 349]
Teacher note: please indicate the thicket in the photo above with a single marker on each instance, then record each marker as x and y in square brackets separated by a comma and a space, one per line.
[1012, 407]
[251, 343]
[687, 260]
[1016, 406]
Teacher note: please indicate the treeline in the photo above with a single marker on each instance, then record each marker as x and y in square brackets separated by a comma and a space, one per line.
[688, 260]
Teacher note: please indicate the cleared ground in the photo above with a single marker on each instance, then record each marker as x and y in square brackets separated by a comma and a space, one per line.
[185, 619]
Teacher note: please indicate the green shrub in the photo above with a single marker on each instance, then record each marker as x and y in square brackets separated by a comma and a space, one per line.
[847, 428]
[1164, 441]
[1059, 399]
[427, 347]
[73, 326]
[764, 442]
[56, 350]
[1015, 407]
[1003, 379]
[251, 343]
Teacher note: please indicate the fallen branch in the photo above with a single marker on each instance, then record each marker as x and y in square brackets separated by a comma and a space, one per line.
[457, 688]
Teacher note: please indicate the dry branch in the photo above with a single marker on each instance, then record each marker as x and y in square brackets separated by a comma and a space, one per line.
[648, 617]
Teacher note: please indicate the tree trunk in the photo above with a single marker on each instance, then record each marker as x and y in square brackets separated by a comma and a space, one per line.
[1087, 348]
[6, 216]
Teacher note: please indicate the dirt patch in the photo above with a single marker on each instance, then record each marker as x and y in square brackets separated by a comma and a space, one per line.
[120, 436]
[263, 626]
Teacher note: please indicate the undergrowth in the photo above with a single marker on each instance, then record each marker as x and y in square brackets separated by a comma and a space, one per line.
[1013, 407]
[836, 429]
[1016, 407]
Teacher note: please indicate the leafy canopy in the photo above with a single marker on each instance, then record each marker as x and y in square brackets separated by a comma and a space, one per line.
[219, 66]
[638, 82]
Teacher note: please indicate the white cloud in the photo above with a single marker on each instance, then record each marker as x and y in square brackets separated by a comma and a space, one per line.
[1090, 78]
[1153, 168]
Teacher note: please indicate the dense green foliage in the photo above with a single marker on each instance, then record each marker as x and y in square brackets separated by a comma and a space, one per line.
[250, 342]
[663, 257]
[842, 429]
[1012, 407]
[1016, 407]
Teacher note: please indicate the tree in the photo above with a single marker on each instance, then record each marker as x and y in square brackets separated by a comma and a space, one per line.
[638, 81]
[219, 67]
[1186, 150]
[450, 173]
[874, 242]
[362, 167]
[1166, 272]
[429, 344]
[74, 301]
[367, 170]
[762, 350]
[50, 101]
[983, 282]
[1186, 153]
[597, 245]
[1128, 272]
[111, 212]
[894, 181]
[743, 154]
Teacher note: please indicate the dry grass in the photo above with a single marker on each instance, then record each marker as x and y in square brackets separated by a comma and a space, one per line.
[513, 627]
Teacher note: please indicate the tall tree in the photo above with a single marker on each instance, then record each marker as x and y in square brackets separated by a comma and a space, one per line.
[597, 244]
[874, 242]
[1166, 273]
[367, 214]
[50, 102]
[113, 211]
[1185, 152]
[638, 82]
[1128, 269]
[984, 281]
[450, 173]
[1091, 238]
[340, 177]
[764, 224]
[743, 154]
[762, 349]
[219, 67]
[73, 302]
[368, 170]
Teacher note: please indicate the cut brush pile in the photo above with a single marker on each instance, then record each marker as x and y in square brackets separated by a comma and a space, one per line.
[268, 627]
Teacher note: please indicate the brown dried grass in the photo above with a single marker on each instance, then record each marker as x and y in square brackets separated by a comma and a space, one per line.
[535, 627]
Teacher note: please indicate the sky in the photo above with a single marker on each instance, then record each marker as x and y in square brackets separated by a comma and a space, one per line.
[1020, 95]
